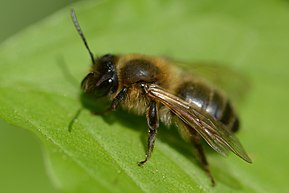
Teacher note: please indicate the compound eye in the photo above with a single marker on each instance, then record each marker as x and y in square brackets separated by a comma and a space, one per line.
[103, 88]
[104, 78]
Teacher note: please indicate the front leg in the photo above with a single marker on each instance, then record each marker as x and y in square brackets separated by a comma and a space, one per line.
[115, 102]
[153, 124]
[118, 99]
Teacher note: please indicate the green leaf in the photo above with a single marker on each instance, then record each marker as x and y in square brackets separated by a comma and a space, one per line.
[101, 152]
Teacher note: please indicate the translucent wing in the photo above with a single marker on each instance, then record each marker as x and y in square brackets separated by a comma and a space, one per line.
[233, 83]
[215, 133]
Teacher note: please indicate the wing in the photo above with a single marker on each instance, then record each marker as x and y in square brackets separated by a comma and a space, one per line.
[215, 133]
[233, 83]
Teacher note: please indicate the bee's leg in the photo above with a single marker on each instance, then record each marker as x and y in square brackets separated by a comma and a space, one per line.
[153, 124]
[118, 99]
[196, 140]
[115, 102]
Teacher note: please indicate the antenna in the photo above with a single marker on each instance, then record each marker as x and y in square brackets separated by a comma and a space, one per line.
[76, 24]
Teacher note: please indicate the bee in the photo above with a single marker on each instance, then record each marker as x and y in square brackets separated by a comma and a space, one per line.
[164, 92]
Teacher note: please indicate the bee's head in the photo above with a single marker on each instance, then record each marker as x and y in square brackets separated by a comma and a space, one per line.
[102, 80]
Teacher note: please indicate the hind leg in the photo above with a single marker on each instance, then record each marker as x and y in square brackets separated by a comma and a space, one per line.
[196, 140]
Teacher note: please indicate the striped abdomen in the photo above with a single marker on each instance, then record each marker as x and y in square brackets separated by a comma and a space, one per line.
[211, 101]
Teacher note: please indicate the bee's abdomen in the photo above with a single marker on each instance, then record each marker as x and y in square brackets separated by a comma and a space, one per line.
[210, 101]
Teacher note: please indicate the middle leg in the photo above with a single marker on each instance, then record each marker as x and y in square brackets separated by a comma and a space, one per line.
[153, 123]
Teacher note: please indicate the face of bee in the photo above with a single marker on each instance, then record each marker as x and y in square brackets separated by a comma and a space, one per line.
[102, 79]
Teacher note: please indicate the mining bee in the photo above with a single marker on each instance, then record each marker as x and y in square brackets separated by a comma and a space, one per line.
[163, 91]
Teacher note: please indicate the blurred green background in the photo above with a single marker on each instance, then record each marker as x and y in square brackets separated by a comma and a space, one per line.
[263, 51]
[21, 165]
